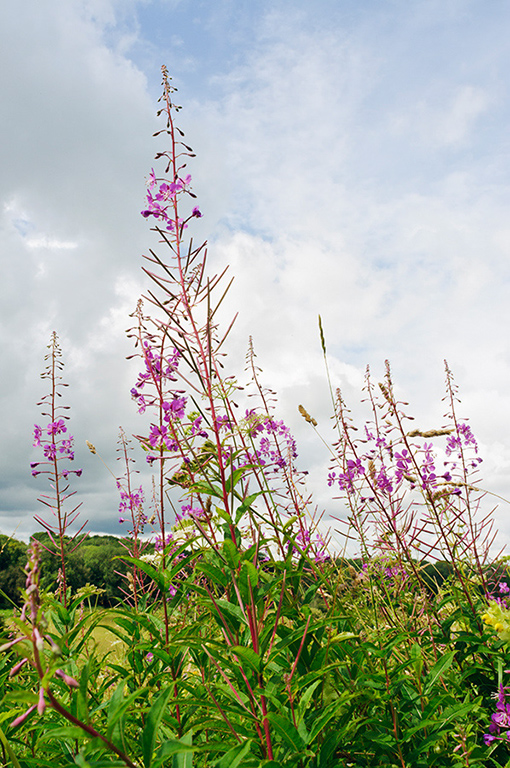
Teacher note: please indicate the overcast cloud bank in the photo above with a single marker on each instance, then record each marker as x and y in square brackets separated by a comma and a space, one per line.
[352, 162]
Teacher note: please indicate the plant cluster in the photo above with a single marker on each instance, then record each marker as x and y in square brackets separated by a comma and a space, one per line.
[241, 639]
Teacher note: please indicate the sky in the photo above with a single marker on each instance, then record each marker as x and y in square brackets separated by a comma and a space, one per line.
[353, 161]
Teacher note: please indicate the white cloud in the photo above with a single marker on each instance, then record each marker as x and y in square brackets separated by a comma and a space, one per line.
[52, 243]
[447, 119]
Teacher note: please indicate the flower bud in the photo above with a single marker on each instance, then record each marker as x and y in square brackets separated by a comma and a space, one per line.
[23, 717]
[70, 681]
[14, 671]
[41, 704]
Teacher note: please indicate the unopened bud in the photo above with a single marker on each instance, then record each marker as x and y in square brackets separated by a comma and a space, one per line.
[55, 649]
[41, 704]
[70, 681]
[8, 645]
[39, 641]
[23, 717]
[16, 668]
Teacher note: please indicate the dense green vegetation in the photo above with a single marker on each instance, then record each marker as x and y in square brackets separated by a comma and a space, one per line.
[93, 562]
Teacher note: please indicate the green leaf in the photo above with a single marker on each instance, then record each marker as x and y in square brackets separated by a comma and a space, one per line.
[184, 760]
[233, 479]
[305, 699]
[64, 732]
[326, 715]
[417, 659]
[208, 489]
[287, 730]
[248, 655]
[63, 613]
[233, 610]
[214, 574]
[231, 554]
[233, 758]
[157, 577]
[244, 507]
[174, 748]
[438, 669]
[117, 707]
[12, 756]
[154, 717]
[249, 573]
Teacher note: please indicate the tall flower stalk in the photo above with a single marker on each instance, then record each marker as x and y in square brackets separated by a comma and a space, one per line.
[57, 447]
[196, 441]
[227, 468]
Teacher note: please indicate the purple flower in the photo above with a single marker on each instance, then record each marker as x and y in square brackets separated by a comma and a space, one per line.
[383, 481]
[50, 451]
[500, 720]
[158, 543]
[196, 212]
[222, 422]
[66, 448]
[189, 511]
[404, 464]
[353, 470]
[159, 437]
[37, 435]
[55, 427]
[464, 437]
[175, 409]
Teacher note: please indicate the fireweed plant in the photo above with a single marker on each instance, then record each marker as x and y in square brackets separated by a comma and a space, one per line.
[243, 640]
[56, 445]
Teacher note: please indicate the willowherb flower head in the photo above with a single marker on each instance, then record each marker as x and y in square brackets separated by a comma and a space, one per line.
[499, 728]
[463, 438]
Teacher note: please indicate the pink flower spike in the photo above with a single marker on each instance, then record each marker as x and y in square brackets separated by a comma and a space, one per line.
[41, 704]
[70, 681]
[23, 717]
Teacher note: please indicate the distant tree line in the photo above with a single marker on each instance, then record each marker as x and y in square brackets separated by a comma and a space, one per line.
[93, 562]
[96, 562]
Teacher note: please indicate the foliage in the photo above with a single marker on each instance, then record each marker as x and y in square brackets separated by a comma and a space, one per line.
[12, 560]
[240, 640]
